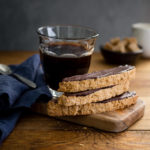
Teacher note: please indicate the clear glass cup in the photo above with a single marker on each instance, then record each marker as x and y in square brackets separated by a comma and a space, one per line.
[65, 51]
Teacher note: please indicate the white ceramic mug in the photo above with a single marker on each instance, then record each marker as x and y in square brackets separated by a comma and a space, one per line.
[141, 31]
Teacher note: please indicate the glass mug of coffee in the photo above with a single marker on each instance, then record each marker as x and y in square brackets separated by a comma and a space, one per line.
[65, 51]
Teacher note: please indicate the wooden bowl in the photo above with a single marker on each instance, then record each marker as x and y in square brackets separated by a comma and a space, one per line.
[121, 58]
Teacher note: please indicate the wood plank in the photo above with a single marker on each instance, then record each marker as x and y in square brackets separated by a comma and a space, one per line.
[144, 122]
[40, 132]
[15, 57]
[75, 138]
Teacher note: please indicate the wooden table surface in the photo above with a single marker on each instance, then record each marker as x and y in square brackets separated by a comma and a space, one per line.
[38, 132]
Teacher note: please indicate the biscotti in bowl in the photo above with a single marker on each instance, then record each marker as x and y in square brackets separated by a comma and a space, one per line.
[125, 51]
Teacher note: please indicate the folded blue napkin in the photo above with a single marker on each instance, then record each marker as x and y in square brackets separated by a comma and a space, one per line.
[15, 96]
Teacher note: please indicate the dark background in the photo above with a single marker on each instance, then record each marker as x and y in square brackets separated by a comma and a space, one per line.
[19, 19]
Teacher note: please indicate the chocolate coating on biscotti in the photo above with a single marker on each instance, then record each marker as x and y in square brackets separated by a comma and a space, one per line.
[99, 74]
[87, 92]
[54, 109]
[98, 95]
[120, 97]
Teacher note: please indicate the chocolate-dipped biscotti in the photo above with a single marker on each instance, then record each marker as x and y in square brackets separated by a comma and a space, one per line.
[94, 95]
[52, 108]
[95, 80]
[91, 93]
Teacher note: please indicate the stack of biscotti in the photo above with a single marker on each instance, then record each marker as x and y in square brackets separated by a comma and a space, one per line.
[96, 92]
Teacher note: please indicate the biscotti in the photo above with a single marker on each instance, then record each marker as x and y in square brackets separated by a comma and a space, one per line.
[52, 108]
[97, 80]
[89, 96]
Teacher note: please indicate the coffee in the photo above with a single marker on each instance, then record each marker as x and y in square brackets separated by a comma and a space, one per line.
[63, 60]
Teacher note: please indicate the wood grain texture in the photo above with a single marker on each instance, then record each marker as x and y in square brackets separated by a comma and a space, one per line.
[115, 121]
[38, 132]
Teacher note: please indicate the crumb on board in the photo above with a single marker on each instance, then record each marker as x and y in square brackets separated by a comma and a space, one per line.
[85, 128]
[81, 144]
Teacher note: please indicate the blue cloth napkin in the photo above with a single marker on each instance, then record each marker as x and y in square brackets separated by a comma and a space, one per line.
[15, 96]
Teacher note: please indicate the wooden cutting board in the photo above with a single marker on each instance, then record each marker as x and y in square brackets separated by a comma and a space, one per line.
[115, 121]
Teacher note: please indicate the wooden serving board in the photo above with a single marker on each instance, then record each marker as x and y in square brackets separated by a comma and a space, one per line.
[115, 121]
